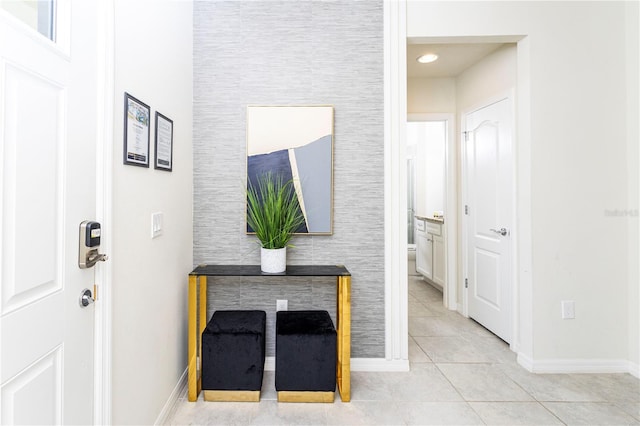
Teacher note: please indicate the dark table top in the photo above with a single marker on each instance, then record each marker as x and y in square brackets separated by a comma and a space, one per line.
[254, 270]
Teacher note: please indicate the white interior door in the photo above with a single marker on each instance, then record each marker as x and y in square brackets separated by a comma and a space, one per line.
[48, 121]
[488, 187]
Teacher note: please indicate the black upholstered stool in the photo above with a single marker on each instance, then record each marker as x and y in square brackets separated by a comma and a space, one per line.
[305, 356]
[233, 352]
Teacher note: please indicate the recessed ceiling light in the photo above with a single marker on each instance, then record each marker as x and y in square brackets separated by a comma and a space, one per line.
[429, 57]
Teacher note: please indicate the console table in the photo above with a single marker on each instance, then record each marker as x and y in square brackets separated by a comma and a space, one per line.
[198, 314]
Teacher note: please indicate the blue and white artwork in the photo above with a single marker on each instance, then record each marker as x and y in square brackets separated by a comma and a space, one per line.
[297, 143]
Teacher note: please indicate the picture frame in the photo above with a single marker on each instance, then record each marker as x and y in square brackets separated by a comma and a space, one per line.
[163, 143]
[295, 142]
[136, 132]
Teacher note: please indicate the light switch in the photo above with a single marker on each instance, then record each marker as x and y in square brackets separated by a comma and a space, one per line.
[568, 309]
[156, 224]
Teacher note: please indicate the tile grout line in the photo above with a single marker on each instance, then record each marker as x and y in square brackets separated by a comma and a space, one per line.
[459, 393]
[534, 398]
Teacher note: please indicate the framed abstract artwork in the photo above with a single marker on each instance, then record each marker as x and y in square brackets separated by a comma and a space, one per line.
[296, 143]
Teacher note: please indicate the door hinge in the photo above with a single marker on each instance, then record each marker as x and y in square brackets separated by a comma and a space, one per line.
[466, 283]
[466, 136]
[466, 209]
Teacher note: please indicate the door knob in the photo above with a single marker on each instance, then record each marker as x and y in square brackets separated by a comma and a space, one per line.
[86, 298]
[501, 231]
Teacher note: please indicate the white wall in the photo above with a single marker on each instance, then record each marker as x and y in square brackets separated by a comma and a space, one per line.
[571, 151]
[431, 95]
[494, 75]
[153, 62]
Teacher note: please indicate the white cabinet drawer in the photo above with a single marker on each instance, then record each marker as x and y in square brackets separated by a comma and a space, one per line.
[434, 229]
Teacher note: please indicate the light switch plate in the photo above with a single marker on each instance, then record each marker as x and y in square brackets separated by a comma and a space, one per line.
[281, 305]
[568, 309]
[156, 224]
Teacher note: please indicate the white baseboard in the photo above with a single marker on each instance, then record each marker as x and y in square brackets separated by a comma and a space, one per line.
[178, 390]
[525, 362]
[453, 307]
[379, 364]
[594, 366]
[358, 364]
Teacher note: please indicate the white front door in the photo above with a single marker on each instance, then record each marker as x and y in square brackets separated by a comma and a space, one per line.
[488, 214]
[48, 116]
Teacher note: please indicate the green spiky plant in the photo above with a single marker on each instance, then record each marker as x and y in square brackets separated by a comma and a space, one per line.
[273, 211]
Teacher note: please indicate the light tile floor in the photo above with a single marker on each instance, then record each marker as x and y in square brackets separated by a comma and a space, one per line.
[461, 374]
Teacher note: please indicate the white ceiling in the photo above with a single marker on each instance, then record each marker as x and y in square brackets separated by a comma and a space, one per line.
[452, 58]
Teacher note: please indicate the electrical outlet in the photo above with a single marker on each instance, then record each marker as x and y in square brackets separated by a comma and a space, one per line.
[568, 309]
[281, 305]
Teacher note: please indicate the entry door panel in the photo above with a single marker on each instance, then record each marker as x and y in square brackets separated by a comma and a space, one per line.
[48, 154]
[488, 188]
[32, 188]
[32, 247]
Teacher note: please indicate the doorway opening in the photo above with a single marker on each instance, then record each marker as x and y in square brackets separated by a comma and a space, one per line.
[430, 144]
[464, 75]
[396, 97]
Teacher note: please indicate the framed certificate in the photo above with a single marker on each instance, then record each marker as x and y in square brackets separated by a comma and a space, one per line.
[164, 142]
[136, 132]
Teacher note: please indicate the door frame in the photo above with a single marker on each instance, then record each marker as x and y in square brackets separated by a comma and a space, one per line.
[395, 186]
[450, 290]
[464, 223]
[104, 195]
[395, 107]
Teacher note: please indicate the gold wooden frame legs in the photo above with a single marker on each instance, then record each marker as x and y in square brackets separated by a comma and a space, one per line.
[343, 366]
[197, 324]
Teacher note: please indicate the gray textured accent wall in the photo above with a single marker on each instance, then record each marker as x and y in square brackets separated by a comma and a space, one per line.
[292, 53]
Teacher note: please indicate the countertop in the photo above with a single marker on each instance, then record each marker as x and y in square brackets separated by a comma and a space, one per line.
[438, 220]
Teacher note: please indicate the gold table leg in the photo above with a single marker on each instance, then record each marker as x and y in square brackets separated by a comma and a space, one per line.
[197, 324]
[343, 373]
[192, 333]
[202, 324]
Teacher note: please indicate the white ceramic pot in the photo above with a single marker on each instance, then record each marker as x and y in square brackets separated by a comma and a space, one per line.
[273, 261]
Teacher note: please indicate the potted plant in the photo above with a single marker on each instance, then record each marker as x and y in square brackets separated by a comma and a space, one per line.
[274, 214]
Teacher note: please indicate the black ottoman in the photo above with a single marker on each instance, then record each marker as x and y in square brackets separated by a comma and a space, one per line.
[233, 352]
[305, 356]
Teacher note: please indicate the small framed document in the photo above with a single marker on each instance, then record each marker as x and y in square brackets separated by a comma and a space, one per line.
[136, 131]
[164, 142]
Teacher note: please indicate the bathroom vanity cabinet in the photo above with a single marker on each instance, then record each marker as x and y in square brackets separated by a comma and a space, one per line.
[430, 250]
